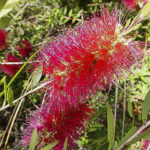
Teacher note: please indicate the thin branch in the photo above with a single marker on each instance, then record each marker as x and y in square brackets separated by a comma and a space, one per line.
[15, 63]
[135, 134]
[18, 99]
[124, 108]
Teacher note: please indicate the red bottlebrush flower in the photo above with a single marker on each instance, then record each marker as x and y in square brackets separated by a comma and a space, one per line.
[146, 144]
[25, 48]
[2, 39]
[88, 58]
[52, 126]
[10, 69]
[134, 4]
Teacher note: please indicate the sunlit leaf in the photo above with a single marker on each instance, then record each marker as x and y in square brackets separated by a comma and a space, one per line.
[2, 3]
[33, 140]
[127, 23]
[70, 13]
[8, 7]
[2, 80]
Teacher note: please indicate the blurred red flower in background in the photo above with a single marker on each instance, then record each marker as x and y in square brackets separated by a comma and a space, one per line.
[3, 37]
[10, 69]
[134, 4]
[24, 48]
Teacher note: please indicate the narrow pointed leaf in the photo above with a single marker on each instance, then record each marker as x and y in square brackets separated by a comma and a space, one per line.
[10, 96]
[33, 140]
[2, 80]
[10, 4]
[145, 11]
[65, 144]
[110, 126]
[50, 146]
[127, 23]
[37, 74]
[146, 106]
[130, 108]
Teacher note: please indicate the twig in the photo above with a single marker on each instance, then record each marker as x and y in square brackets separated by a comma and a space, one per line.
[25, 6]
[15, 63]
[35, 89]
[124, 108]
[135, 134]
[116, 99]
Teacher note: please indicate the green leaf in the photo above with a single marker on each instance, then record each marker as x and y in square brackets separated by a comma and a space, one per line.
[10, 96]
[65, 10]
[128, 135]
[33, 140]
[127, 23]
[5, 92]
[146, 106]
[70, 13]
[111, 126]
[115, 145]
[133, 28]
[130, 108]
[139, 137]
[37, 74]
[65, 144]
[2, 3]
[79, 13]
[50, 146]
[97, 125]
[4, 21]
[2, 80]
[145, 11]
[8, 7]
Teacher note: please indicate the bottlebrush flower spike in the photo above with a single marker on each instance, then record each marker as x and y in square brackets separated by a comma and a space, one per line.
[10, 69]
[88, 58]
[134, 4]
[25, 48]
[3, 37]
[52, 126]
